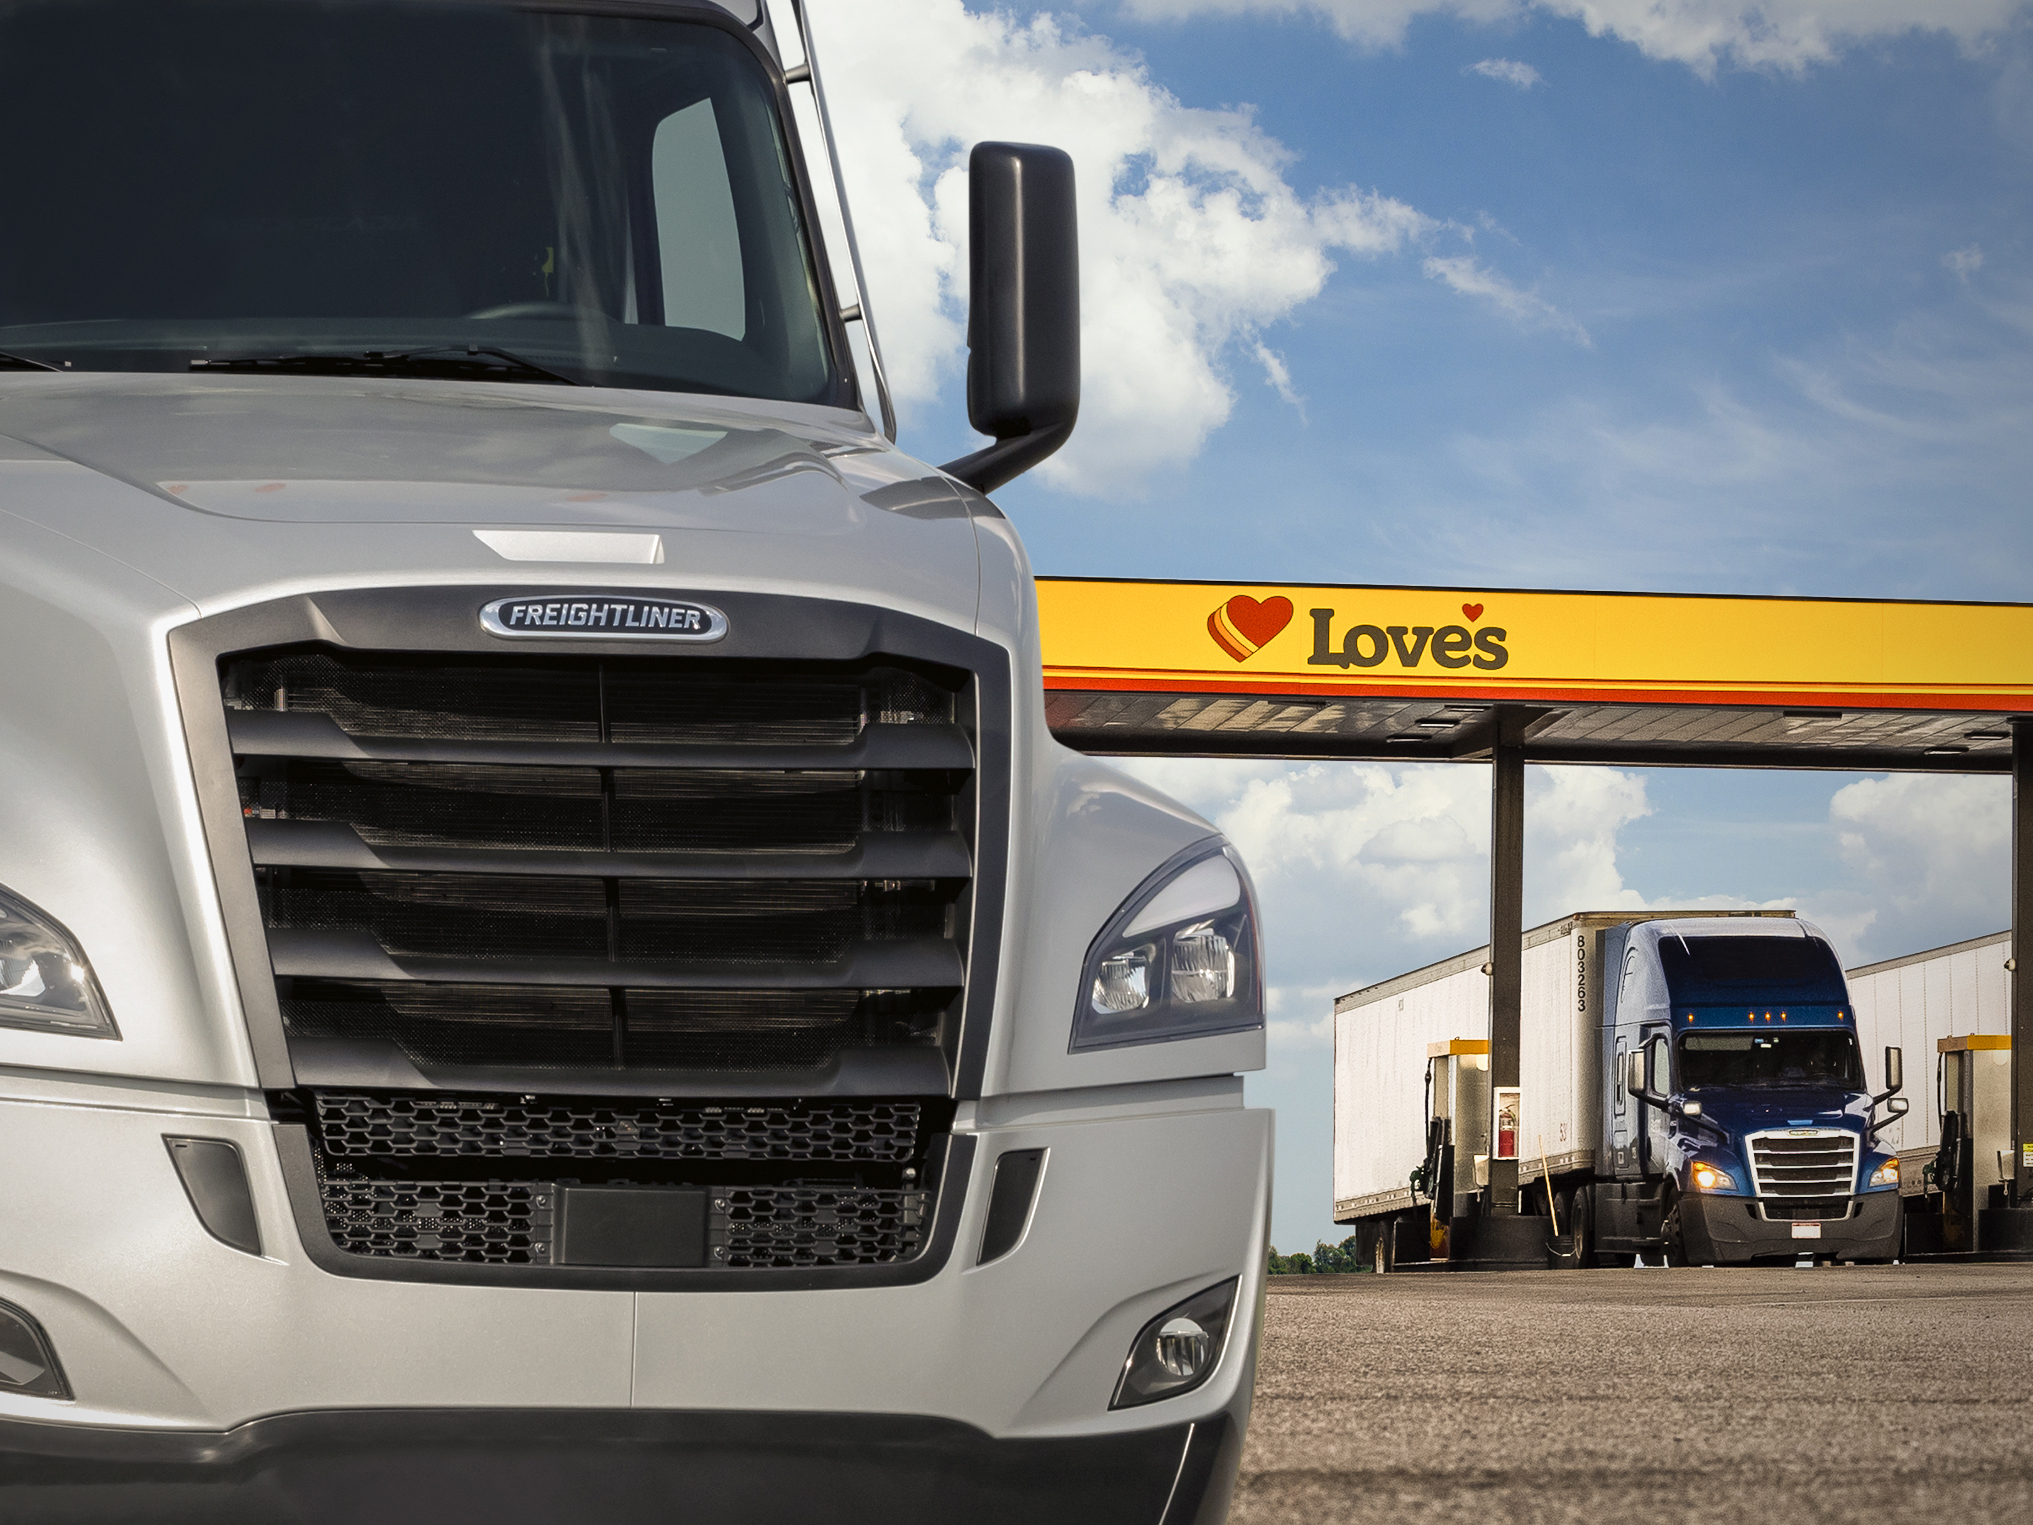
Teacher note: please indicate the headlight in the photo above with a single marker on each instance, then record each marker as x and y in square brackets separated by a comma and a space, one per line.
[1886, 1174]
[1708, 1177]
[1179, 959]
[45, 982]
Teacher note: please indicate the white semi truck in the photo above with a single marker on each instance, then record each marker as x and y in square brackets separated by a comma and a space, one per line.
[549, 965]
[1692, 1088]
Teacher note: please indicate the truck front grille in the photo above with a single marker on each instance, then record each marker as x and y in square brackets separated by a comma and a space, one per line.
[540, 923]
[1804, 1163]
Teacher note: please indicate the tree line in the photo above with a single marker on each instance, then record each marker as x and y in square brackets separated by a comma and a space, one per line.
[1326, 1258]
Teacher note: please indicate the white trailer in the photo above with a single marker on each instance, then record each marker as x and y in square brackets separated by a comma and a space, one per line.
[1930, 1004]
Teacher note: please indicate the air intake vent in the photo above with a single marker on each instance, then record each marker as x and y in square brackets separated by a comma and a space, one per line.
[603, 864]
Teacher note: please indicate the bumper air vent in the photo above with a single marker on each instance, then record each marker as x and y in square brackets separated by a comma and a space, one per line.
[547, 936]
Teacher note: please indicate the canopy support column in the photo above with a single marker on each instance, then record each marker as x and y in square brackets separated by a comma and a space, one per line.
[2019, 988]
[1506, 930]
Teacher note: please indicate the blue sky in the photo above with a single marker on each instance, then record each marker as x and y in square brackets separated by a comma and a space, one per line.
[1663, 319]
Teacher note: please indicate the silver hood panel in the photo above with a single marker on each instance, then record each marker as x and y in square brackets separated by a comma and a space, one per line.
[230, 491]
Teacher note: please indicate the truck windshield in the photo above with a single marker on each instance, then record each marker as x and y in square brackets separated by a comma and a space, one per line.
[606, 198]
[1810, 1058]
[1757, 971]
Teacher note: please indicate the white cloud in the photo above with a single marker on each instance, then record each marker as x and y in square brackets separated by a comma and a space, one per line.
[1963, 263]
[1193, 240]
[1703, 34]
[1930, 858]
[1465, 274]
[1509, 70]
[1367, 870]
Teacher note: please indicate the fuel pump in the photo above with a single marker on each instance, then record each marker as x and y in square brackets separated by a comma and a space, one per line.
[1975, 1100]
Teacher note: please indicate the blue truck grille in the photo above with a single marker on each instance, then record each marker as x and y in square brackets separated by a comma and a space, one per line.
[1804, 1163]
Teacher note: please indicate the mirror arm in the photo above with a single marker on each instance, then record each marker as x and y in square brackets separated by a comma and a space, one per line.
[1007, 459]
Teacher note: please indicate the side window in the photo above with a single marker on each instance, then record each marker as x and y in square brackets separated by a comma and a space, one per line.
[698, 238]
[1621, 1067]
[1659, 1067]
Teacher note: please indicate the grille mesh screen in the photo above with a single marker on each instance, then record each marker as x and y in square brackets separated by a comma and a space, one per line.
[423, 1123]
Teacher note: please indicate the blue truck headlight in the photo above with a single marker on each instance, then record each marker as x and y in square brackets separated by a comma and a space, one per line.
[1707, 1177]
[1178, 1350]
[45, 983]
[1178, 959]
[1886, 1174]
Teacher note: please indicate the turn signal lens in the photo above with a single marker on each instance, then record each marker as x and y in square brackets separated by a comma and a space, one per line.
[1177, 1350]
[1886, 1174]
[1708, 1178]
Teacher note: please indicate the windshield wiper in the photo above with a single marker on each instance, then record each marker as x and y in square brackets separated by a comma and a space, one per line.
[472, 362]
[23, 363]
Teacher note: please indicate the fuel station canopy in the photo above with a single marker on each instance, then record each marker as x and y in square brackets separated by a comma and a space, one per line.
[1511, 676]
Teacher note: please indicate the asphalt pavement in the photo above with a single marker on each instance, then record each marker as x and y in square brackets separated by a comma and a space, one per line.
[1838, 1394]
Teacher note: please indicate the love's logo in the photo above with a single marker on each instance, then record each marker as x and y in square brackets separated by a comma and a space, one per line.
[1242, 626]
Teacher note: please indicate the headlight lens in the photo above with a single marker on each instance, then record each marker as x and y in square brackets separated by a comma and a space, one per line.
[1709, 1177]
[45, 982]
[1179, 959]
[1886, 1174]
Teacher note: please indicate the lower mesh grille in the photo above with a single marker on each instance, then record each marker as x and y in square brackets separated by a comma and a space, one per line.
[478, 1222]
[756, 1226]
[413, 1123]
[510, 1223]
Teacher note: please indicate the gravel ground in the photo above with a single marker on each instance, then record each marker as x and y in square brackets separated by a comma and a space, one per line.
[1841, 1394]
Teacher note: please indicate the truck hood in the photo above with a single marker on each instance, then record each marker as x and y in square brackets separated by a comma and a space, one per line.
[1755, 1111]
[229, 490]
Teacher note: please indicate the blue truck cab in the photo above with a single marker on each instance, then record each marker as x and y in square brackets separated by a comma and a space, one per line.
[1738, 1120]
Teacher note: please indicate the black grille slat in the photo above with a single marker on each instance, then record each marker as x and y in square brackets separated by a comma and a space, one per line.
[877, 855]
[645, 700]
[550, 1028]
[923, 962]
[519, 917]
[398, 1124]
[293, 734]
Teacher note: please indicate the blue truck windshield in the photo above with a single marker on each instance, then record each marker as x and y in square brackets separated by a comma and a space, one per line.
[1752, 971]
[608, 198]
[1810, 1058]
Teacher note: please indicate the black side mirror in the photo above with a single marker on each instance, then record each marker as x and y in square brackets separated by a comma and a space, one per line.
[1023, 318]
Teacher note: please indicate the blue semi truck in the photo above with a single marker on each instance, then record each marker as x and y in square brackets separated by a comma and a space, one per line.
[1693, 1090]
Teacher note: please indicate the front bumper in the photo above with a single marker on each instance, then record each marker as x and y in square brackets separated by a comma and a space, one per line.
[261, 1372]
[1728, 1231]
[612, 1466]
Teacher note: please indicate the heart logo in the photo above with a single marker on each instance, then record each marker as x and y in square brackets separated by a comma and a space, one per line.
[1241, 626]
[1473, 611]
